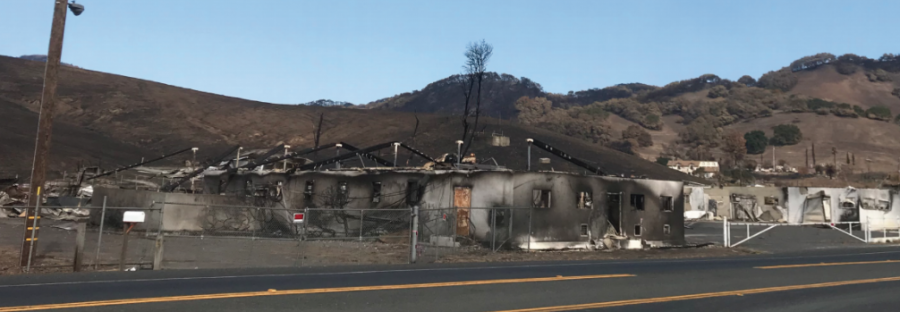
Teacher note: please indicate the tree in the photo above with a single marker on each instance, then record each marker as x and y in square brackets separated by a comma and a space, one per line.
[786, 134]
[663, 160]
[734, 145]
[783, 80]
[637, 133]
[717, 92]
[747, 81]
[830, 170]
[750, 165]
[533, 111]
[879, 112]
[756, 142]
[477, 56]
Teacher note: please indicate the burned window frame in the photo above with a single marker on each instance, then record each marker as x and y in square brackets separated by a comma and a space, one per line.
[667, 203]
[538, 199]
[667, 229]
[582, 203]
[584, 230]
[376, 192]
[309, 190]
[637, 201]
[413, 192]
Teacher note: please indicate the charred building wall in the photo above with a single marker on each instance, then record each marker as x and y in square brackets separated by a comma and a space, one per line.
[566, 210]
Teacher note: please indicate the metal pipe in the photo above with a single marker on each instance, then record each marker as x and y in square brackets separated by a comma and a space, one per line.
[493, 229]
[337, 164]
[286, 152]
[845, 232]
[100, 235]
[529, 153]
[754, 235]
[459, 144]
[725, 231]
[530, 213]
[414, 234]
[395, 153]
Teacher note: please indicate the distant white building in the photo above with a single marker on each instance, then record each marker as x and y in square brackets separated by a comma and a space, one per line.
[710, 168]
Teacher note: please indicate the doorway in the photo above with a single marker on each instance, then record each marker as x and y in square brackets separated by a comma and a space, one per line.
[614, 210]
[462, 201]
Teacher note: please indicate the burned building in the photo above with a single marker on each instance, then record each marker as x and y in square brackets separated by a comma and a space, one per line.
[459, 201]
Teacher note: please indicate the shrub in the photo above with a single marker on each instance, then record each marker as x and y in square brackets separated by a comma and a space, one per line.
[756, 142]
[879, 113]
[786, 135]
[662, 160]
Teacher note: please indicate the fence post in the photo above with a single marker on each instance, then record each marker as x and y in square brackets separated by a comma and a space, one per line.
[362, 221]
[530, 213]
[123, 255]
[725, 231]
[493, 229]
[158, 255]
[414, 235]
[79, 245]
[306, 220]
[100, 234]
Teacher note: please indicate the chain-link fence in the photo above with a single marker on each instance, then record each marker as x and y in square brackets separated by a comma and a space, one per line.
[96, 235]
[242, 236]
[198, 236]
[446, 232]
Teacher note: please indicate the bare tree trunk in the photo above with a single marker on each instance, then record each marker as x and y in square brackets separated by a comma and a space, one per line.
[477, 114]
[416, 129]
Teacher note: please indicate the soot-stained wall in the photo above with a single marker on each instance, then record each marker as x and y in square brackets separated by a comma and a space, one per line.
[558, 226]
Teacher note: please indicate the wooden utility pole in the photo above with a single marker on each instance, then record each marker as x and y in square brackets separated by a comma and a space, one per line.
[45, 129]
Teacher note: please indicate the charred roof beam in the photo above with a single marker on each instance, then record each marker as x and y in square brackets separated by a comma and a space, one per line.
[138, 164]
[559, 153]
[175, 184]
[362, 152]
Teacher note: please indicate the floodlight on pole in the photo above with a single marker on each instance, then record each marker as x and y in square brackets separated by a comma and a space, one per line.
[76, 8]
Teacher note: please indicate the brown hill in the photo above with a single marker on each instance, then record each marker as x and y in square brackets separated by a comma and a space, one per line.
[826, 96]
[123, 119]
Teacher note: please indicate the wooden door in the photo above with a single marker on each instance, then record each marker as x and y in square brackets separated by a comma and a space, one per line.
[462, 201]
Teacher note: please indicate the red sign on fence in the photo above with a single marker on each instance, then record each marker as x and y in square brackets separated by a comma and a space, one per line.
[298, 217]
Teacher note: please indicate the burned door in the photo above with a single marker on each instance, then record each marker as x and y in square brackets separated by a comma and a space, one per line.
[462, 201]
[614, 210]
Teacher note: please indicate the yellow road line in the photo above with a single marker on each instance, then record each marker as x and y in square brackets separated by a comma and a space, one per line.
[701, 296]
[823, 264]
[272, 292]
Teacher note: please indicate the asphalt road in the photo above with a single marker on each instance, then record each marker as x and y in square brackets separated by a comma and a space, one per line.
[820, 280]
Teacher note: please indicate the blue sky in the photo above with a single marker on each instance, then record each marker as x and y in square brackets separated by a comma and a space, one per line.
[293, 51]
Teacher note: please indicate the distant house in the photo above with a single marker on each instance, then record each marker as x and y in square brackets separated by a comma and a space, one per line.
[691, 166]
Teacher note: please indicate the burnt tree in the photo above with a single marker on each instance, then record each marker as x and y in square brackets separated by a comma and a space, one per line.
[472, 81]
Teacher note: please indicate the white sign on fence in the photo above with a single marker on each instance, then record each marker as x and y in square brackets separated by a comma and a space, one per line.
[298, 217]
[133, 217]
